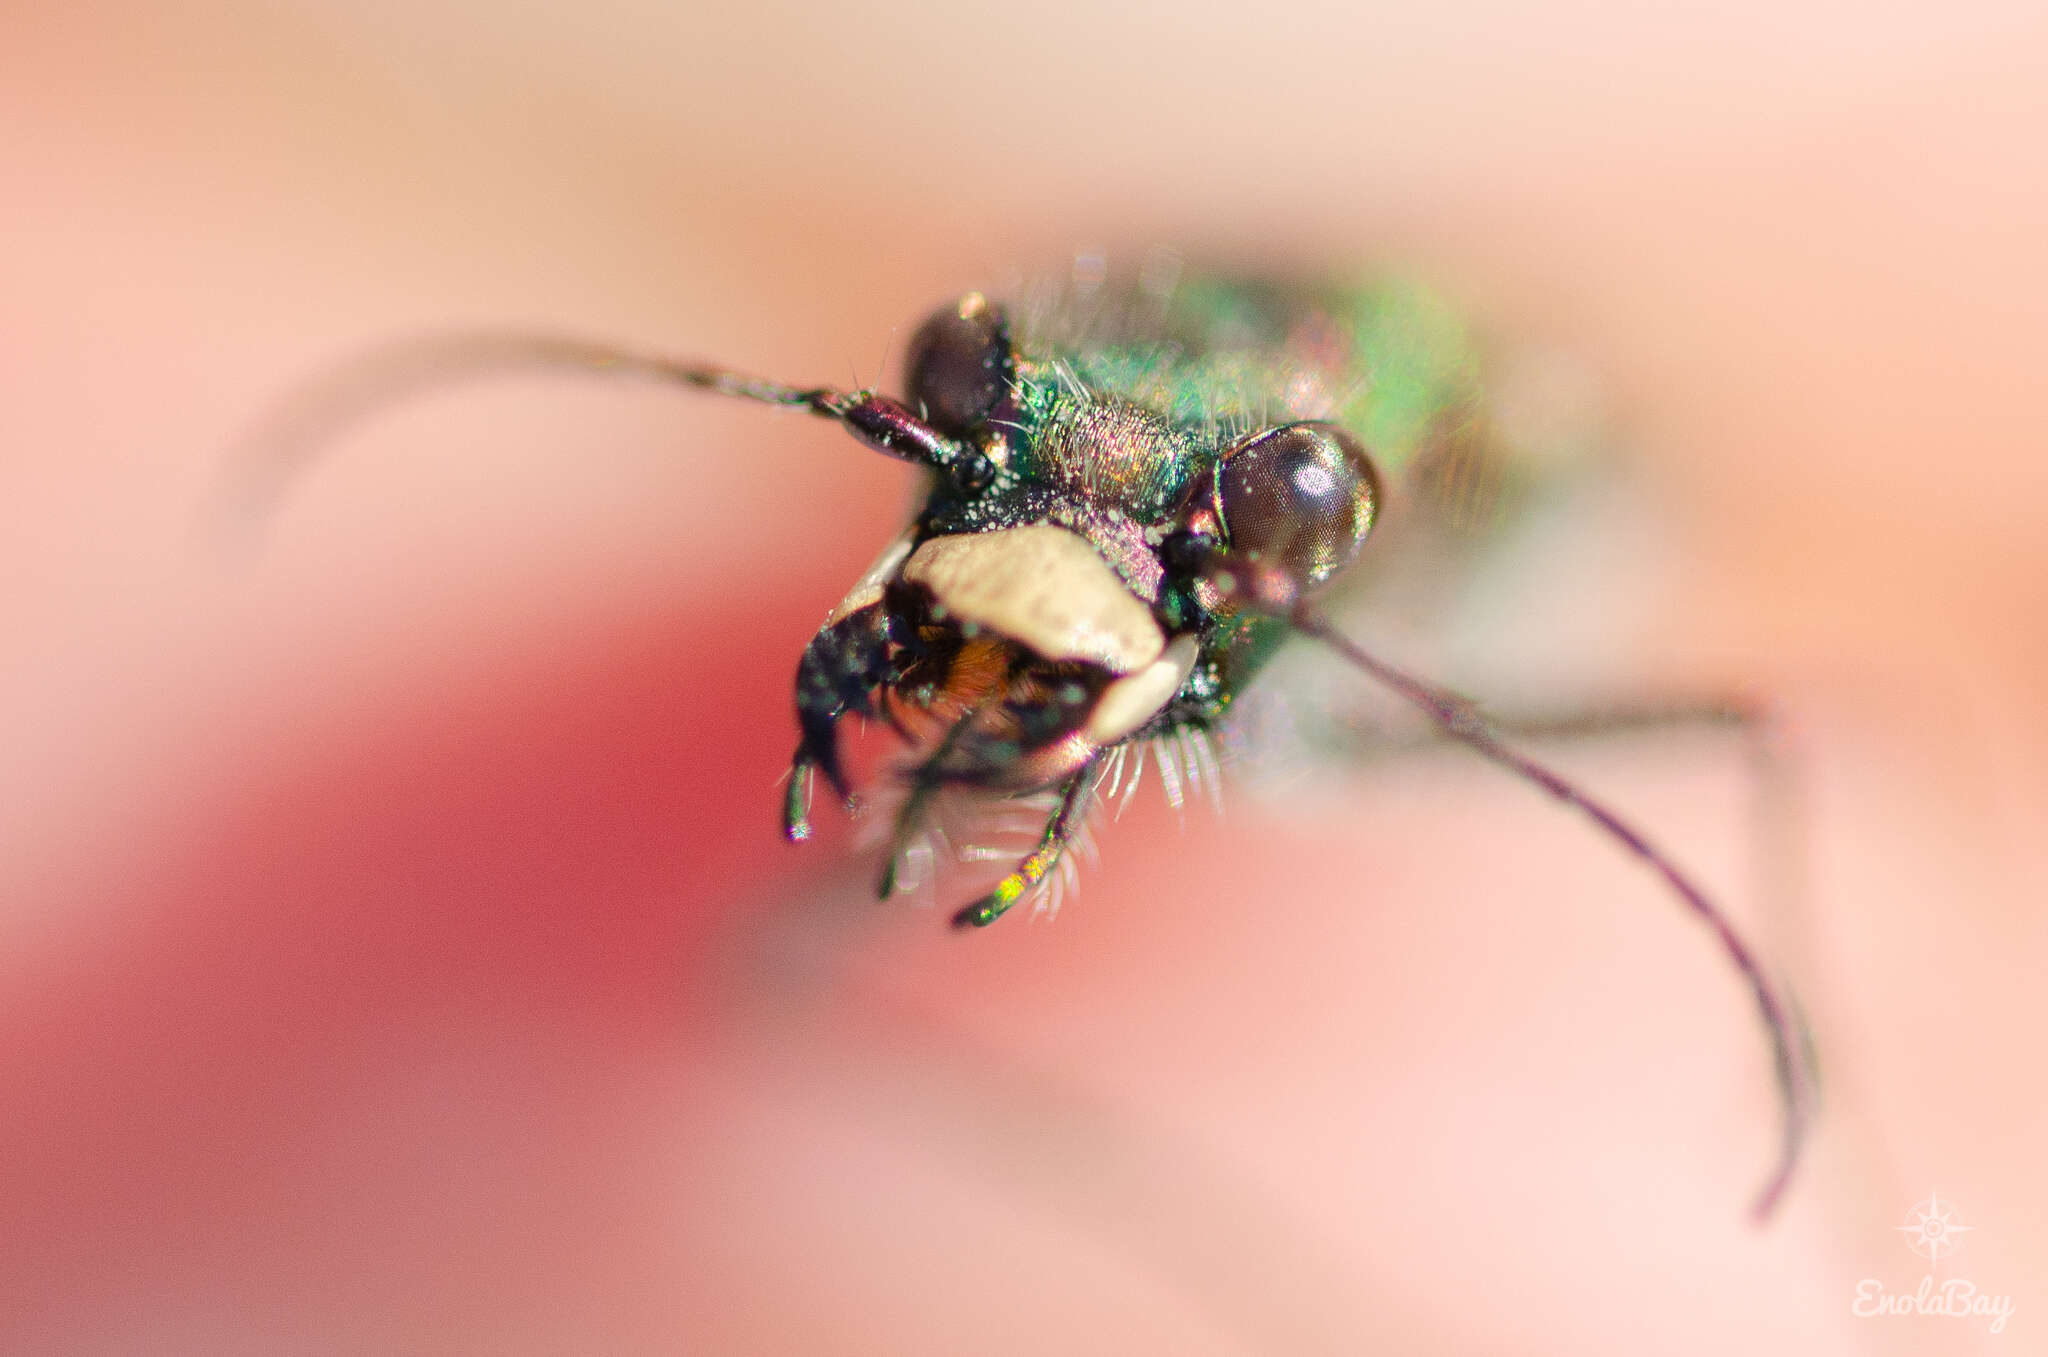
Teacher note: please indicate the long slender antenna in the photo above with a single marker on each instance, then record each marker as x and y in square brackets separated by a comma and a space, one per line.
[1460, 719]
[274, 456]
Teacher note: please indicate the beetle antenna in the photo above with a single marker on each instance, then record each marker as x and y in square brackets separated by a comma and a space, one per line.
[273, 457]
[1460, 719]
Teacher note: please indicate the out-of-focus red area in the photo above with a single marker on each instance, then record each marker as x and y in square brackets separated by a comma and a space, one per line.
[395, 951]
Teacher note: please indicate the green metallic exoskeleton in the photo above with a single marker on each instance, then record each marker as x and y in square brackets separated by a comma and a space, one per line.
[1137, 484]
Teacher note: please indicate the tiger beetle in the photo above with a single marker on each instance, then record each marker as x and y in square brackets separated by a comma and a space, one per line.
[1134, 494]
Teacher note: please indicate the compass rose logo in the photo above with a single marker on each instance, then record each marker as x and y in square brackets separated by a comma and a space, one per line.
[1931, 1229]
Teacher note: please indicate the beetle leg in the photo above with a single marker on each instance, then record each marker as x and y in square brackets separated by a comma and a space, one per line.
[1737, 714]
[1778, 833]
[841, 666]
[1077, 794]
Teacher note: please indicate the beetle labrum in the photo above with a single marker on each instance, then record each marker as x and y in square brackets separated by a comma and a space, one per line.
[1131, 502]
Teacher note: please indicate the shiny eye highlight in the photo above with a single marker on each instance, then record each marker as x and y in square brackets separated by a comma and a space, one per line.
[958, 365]
[1298, 499]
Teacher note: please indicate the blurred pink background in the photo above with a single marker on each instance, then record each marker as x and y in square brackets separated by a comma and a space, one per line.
[395, 951]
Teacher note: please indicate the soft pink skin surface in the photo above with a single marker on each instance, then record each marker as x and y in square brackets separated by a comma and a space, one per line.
[397, 955]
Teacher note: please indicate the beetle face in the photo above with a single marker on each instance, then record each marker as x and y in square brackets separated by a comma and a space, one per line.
[1129, 495]
[1024, 626]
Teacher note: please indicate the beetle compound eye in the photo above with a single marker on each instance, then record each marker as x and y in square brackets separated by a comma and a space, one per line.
[959, 364]
[1298, 499]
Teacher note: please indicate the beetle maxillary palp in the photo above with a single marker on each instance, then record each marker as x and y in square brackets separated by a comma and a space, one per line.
[1076, 795]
